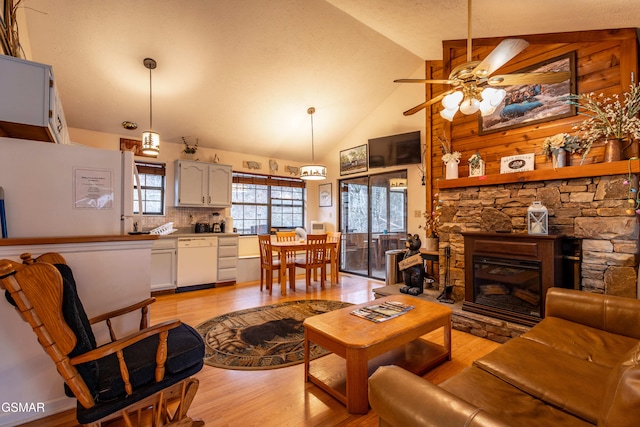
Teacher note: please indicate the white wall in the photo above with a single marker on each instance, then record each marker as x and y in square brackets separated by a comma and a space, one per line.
[386, 119]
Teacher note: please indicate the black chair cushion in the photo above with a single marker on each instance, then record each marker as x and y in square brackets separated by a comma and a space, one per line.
[185, 349]
[76, 318]
[102, 409]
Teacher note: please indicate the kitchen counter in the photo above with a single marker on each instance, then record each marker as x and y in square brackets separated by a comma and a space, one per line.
[75, 239]
[190, 234]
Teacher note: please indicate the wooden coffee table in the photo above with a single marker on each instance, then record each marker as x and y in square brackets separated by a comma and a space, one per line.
[364, 345]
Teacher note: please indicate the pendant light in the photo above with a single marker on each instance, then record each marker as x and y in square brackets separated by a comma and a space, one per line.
[150, 139]
[312, 172]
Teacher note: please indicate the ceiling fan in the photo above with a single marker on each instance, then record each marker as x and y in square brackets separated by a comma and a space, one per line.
[473, 84]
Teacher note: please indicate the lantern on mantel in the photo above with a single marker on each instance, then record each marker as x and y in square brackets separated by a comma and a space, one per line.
[538, 218]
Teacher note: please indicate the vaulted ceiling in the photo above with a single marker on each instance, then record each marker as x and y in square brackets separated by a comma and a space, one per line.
[239, 75]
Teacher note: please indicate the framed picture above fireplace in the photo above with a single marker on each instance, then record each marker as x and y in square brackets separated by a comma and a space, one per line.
[525, 105]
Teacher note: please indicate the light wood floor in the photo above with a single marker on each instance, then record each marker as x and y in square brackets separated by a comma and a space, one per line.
[277, 397]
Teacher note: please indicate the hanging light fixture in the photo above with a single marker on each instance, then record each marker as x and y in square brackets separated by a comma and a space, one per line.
[312, 172]
[150, 139]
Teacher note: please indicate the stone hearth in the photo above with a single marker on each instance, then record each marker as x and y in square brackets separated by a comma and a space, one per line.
[593, 209]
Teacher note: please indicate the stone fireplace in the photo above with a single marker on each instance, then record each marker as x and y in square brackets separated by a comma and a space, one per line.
[593, 211]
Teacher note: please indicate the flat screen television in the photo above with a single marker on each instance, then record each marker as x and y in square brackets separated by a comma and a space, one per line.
[394, 150]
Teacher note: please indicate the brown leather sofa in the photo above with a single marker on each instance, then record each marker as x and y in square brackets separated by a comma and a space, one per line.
[580, 366]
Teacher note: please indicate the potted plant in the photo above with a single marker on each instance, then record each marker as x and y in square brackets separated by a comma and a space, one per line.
[557, 146]
[610, 118]
[476, 165]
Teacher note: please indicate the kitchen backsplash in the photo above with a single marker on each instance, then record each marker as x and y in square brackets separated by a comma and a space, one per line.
[180, 216]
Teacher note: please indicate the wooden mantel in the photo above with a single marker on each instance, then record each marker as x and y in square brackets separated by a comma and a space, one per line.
[568, 172]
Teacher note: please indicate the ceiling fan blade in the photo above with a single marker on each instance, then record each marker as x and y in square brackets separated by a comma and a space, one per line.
[427, 103]
[442, 82]
[507, 49]
[529, 78]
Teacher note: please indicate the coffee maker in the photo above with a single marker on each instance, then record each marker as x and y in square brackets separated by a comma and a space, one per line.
[216, 225]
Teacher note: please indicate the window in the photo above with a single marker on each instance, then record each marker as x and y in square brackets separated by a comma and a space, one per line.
[152, 179]
[262, 202]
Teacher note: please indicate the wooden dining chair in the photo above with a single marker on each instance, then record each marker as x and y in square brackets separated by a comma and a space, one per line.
[314, 257]
[286, 236]
[333, 254]
[145, 376]
[269, 264]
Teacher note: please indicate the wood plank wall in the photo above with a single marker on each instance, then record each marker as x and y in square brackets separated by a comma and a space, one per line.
[605, 60]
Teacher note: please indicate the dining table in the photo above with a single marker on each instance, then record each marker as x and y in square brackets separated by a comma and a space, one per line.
[284, 248]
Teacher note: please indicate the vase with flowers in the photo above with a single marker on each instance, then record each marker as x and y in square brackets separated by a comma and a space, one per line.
[450, 159]
[557, 146]
[189, 150]
[613, 119]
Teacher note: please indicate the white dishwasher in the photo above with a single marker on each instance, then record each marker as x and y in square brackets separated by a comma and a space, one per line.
[197, 261]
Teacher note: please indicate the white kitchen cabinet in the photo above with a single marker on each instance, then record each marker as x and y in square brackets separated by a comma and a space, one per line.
[163, 265]
[30, 107]
[227, 258]
[202, 184]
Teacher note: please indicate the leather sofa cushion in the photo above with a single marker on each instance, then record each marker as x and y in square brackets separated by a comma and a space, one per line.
[618, 315]
[503, 400]
[621, 403]
[583, 342]
[402, 399]
[559, 379]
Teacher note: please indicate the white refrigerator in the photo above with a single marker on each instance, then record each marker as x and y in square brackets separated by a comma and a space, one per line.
[65, 190]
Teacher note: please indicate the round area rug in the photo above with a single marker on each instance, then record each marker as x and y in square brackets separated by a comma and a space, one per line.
[263, 337]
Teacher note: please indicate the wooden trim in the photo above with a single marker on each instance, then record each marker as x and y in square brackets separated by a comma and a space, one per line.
[569, 172]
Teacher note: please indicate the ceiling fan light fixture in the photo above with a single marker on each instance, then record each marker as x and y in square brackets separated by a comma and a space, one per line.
[452, 100]
[493, 96]
[312, 172]
[469, 105]
[448, 114]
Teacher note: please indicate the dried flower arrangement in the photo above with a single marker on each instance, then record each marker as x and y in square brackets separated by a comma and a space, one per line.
[447, 154]
[432, 219]
[190, 149]
[9, 32]
[608, 117]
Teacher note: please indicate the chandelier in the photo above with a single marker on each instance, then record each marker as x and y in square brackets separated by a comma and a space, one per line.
[150, 139]
[312, 172]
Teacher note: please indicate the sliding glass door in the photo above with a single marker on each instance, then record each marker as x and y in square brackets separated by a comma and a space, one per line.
[373, 220]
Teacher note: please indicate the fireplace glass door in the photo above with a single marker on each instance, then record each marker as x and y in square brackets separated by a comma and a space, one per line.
[508, 284]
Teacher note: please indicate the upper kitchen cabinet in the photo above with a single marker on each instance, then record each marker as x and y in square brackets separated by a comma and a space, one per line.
[30, 106]
[202, 184]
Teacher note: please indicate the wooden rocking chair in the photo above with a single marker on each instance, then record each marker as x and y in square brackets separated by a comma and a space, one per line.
[145, 378]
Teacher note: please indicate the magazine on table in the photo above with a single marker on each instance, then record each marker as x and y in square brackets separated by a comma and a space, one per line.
[382, 312]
